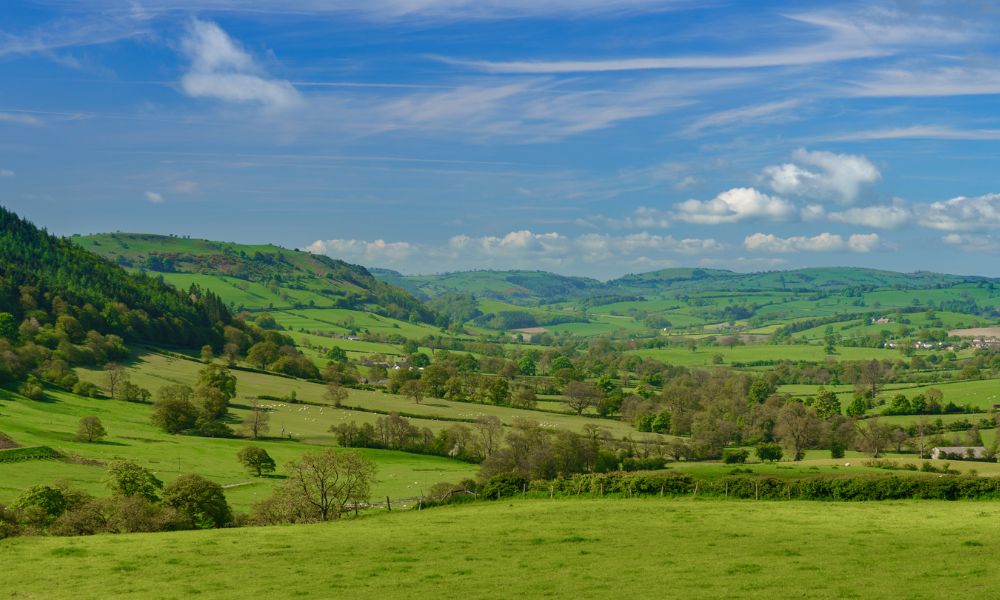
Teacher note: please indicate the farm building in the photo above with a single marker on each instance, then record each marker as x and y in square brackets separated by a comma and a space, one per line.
[958, 452]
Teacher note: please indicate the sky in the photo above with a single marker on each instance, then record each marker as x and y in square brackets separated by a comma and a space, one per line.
[584, 137]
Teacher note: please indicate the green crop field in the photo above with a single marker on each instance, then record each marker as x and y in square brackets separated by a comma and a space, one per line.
[586, 548]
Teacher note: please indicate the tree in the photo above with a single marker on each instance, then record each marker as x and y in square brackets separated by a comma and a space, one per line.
[219, 378]
[173, 410]
[873, 436]
[257, 422]
[326, 482]
[413, 390]
[130, 392]
[524, 397]
[207, 355]
[527, 366]
[201, 500]
[798, 428]
[114, 375]
[489, 433]
[760, 390]
[498, 391]
[768, 452]
[871, 375]
[335, 393]
[256, 460]
[212, 403]
[337, 354]
[262, 354]
[127, 478]
[581, 395]
[827, 404]
[90, 429]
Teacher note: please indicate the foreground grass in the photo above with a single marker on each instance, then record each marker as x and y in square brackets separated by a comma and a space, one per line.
[591, 548]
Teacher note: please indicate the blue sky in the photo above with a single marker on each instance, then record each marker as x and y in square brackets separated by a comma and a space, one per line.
[592, 137]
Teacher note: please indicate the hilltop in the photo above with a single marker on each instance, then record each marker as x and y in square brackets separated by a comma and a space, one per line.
[257, 276]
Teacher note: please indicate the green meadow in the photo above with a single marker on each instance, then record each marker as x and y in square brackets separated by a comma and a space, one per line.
[575, 548]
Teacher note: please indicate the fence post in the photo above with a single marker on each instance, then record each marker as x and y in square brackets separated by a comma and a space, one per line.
[388, 504]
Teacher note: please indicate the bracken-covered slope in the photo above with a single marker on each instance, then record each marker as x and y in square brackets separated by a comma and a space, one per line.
[256, 277]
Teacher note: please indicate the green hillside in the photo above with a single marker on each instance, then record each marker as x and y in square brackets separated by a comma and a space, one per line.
[256, 277]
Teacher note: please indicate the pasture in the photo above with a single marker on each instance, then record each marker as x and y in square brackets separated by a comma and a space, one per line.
[586, 548]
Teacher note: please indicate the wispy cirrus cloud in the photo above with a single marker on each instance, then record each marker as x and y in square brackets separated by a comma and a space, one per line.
[943, 81]
[919, 132]
[20, 119]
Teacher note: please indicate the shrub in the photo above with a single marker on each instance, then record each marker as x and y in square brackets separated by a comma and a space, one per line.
[200, 500]
[733, 457]
[502, 485]
[769, 452]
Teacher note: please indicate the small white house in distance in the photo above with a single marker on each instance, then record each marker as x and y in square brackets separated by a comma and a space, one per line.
[958, 452]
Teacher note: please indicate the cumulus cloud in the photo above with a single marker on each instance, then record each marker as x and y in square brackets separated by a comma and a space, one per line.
[367, 252]
[881, 217]
[972, 243]
[824, 242]
[826, 176]
[732, 206]
[962, 213]
[520, 249]
[154, 197]
[223, 70]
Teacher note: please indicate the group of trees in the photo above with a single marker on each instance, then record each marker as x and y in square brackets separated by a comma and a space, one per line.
[201, 409]
[139, 502]
[471, 443]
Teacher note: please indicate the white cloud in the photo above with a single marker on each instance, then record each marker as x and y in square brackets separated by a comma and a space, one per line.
[919, 132]
[641, 218]
[769, 112]
[737, 204]
[154, 197]
[19, 119]
[372, 253]
[972, 243]
[520, 249]
[537, 109]
[7, 173]
[222, 69]
[813, 212]
[881, 217]
[961, 213]
[824, 242]
[946, 81]
[835, 176]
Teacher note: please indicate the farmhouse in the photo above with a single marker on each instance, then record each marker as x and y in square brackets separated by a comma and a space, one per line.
[958, 452]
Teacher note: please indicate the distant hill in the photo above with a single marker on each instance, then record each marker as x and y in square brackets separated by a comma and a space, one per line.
[518, 287]
[258, 277]
[540, 287]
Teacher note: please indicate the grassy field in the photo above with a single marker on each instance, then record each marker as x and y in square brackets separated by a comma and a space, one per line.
[156, 370]
[130, 435]
[592, 548]
[703, 355]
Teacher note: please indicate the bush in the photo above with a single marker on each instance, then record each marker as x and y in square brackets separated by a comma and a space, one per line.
[837, 450]
[503, 485]
[734, 457]
[769, 452]
[202, 501]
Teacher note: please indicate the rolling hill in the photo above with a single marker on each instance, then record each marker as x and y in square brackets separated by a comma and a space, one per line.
[257, 277]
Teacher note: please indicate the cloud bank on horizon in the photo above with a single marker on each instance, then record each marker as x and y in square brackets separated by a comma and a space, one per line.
[585, 137]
